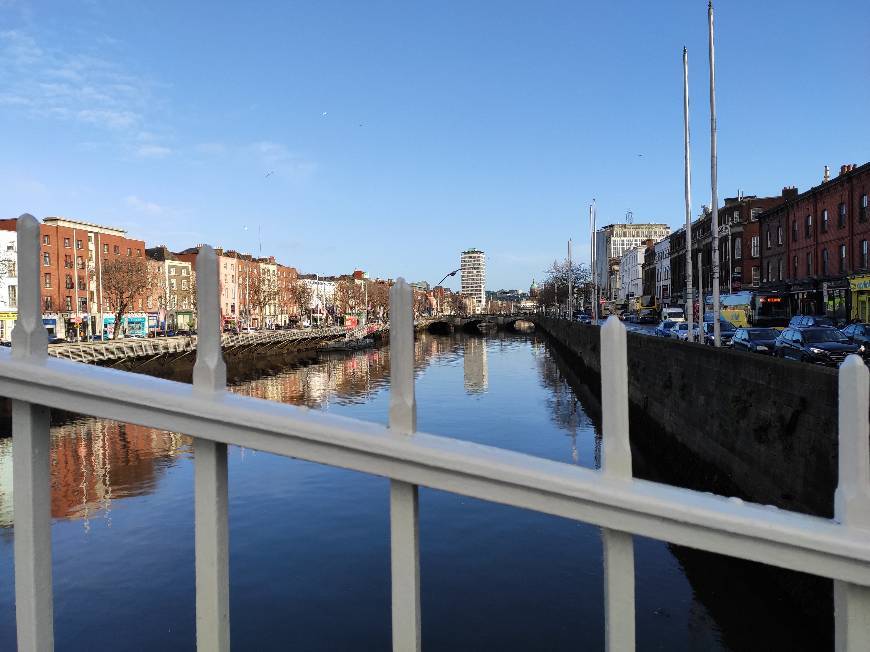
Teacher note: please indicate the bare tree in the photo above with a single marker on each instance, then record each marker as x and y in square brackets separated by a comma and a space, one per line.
[300, 295]
[262, 292]
[124, 279]
[343, 298]
[555, 287]
[379, 298]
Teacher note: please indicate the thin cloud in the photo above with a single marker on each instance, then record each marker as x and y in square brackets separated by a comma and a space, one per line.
[143, 206]
[152, 151]
[211, 149]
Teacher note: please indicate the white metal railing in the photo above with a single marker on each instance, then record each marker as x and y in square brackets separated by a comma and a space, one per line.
[622, 506]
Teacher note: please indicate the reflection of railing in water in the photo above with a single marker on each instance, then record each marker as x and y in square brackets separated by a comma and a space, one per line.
[610, 498]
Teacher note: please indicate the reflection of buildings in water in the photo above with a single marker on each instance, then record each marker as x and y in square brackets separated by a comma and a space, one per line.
[94, 462]
[475, 372]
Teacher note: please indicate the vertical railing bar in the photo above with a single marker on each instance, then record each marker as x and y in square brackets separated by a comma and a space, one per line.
[31, 465]
[404, 505]
[619, 603]
[210, 470]
[852, 499]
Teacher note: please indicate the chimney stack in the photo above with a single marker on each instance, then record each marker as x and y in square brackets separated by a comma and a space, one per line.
[789, 193]
[827, 176]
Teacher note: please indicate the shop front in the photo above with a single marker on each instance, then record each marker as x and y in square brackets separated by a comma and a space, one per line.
[859, 288]
[7, 322]
[50, 324]
[76, 328]
[806, 298]
[835, 299]
[183, 320]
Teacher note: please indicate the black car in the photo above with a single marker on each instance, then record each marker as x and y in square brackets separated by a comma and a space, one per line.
[809, 321]
[755, 340]
[858, 333]
[726, 332]
[822, 345]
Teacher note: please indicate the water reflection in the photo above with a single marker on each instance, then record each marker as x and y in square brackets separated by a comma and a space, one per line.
[94, 462]
[475, 371]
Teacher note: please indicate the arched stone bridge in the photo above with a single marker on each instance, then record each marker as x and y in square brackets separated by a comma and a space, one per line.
[472, 323]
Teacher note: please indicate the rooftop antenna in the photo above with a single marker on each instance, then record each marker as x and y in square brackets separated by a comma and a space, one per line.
[629, 217]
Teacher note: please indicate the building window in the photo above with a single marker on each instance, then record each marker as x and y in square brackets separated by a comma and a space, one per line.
[138, 253]
[148, 302]
[823, 225]
[779, 266]
[808, 227]
[66, 243]
[794, 272]
[172, 283]
[83, 304]
[11, 271]
[105, 248]
[863, 254]
[753, 215]
[13, 296]
[82, 283]
[862, 213]
[46, 260]
[81, 262]
[842, 258]
[841, 215]
[47, 279]
[755, 243]
[184, 283]
[824, 262]
[67, 303]
[794, 230]
[67, 261]
[129, 251]
[738, 248]
[809, 264]
[768, 237]
[78, 244]
[46, 303]
[69, 282]
[46, 240]
[756, 273]
[116, 250]
[769, 271]
[779, 234]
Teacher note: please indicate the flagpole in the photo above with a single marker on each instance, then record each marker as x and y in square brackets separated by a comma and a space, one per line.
[714, 217]
[688, 195]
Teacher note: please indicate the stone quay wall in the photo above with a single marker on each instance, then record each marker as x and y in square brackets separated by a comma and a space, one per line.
[763, 429]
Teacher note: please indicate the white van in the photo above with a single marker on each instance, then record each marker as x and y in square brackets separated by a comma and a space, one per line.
[673, 314]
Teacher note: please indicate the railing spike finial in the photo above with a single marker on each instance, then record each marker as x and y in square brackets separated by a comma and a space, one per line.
[29, 336]
[852, 498]
[210, 370]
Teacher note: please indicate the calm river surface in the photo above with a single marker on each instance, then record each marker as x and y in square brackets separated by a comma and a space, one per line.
[309, 545]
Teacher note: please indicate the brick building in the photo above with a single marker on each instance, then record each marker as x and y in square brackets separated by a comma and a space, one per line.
[172, 302]
[824, 250]
[72, 254]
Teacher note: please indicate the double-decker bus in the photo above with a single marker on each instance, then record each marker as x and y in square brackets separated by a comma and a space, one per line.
[753, 308]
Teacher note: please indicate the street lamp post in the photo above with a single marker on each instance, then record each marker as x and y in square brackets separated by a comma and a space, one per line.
[453, 273]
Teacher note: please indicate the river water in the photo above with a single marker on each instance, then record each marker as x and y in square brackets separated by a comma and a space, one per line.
[309, 544]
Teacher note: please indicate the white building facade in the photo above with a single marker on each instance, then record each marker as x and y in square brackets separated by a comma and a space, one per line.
[611, 242]
[663, 272]
[472, 264]
[631, 273]
[8, 283]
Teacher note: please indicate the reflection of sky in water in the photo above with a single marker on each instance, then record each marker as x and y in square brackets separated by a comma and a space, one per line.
[309, 544]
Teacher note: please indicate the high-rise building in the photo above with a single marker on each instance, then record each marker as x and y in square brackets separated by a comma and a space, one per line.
[611, 242]
[472, 264]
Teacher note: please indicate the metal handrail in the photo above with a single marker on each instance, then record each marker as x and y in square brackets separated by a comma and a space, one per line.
[611, 498]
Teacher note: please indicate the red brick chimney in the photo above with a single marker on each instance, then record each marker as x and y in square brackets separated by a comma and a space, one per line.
[789, 193]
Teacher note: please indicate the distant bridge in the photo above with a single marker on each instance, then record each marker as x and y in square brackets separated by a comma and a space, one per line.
[471, 323]
[110, 352]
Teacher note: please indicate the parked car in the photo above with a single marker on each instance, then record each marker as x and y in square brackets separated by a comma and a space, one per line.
[682, 331]
[673, 314]
[584, 319]
[726, 332]
[822, 345]
[809, 321]
[647, 316]
[755, 340]
[666, 329]
[858, 333]
[56, 340]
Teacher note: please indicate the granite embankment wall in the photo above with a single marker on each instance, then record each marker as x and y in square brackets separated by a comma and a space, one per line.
[760, 428]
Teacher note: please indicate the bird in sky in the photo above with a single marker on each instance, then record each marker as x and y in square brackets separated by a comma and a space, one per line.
[323, 114]
[270, 173]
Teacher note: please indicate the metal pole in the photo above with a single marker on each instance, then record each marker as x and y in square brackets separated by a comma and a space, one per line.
[700, 299]
[688, 194]
[594, 264]
[570, 282]
[714, 217]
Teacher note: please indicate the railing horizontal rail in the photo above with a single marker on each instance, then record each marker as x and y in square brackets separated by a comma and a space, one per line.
[695, 519]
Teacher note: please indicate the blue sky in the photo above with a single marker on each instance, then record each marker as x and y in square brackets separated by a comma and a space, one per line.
[400, 133]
